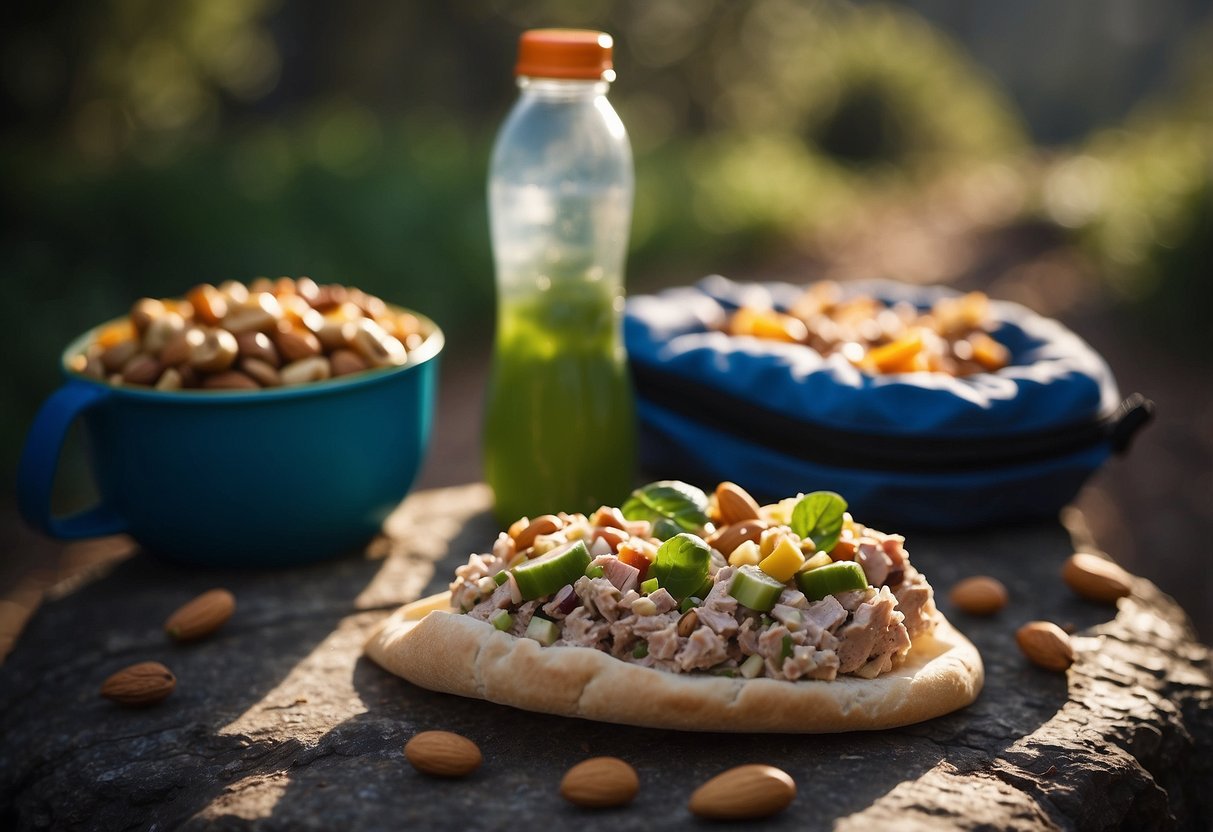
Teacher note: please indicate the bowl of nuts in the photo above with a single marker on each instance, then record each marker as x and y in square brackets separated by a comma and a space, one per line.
[272, 423]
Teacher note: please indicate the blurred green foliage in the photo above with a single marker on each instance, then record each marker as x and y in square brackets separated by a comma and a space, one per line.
[156, 146]
[1140, 199]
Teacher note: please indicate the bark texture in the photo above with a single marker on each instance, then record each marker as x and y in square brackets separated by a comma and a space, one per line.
[279, 723]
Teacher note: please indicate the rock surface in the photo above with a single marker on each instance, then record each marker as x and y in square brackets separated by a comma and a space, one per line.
[279, 723]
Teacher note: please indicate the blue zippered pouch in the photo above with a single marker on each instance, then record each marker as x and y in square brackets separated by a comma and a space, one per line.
[924, 450]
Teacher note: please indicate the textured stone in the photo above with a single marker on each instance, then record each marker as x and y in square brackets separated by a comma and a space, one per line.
[278, 723]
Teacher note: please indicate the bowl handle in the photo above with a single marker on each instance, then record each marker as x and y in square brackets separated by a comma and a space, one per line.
[40, 461]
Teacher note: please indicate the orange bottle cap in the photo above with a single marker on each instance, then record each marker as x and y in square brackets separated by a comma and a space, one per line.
[565, 53]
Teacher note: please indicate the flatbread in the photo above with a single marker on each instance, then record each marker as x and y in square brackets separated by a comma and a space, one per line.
[444, 651]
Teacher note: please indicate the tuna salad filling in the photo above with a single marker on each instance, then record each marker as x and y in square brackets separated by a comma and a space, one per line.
[683, 582]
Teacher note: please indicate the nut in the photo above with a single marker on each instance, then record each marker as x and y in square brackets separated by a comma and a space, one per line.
[727, 538]
[230, 380]
[295, 344]
[316, 368]
[142, 369]
[201, 616]
[261, 372]
[139, 685]
[687, 623]
[734, 504]
[1046, 645]
[979, 595]
[209, 304]
[378, 348]
[613, 537]
[216, 353]
[443, 754]
[600, 782]
[1096, 578]
[346, 361]
[744, 793]
[543, 524]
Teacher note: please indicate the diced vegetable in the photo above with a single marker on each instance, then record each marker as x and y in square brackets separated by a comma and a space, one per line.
[502, 620]
[689, 603]
[650, 586]
[819, 516]
[547, 573]
[784, 560]
[841, 576]
[640, 650]
[682, 565]
[746, 552]
[819, 559]
[785, 649]
[752, 667]
[566, 599]
[755, 589]
[633, 554]
[595, 572]
[501, 577]
[543, 631]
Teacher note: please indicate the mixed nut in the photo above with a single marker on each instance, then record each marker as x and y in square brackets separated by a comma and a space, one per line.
[270, 333]
[952, 337]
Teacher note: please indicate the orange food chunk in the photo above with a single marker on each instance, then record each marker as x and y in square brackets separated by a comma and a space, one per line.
[896, 356]
[115, 334]
[989, 353]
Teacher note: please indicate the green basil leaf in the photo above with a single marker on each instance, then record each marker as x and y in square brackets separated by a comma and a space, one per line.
[664, 529]
[683, 505]
[681, 566]
[819, 516]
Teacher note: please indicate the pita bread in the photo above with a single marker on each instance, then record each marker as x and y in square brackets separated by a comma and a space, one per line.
[444, 651]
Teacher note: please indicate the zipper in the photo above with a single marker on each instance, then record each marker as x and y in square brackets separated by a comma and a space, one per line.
[840, 448]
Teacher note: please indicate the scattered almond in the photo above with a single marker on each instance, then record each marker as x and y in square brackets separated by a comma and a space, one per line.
[744, 793]
[139, 685]
[979, 595]
[734, 504]
[600, 782]
[1096, 578]
[544, 524]
[201, 616]
[727, 538]
[1046, 645]
[443, 754]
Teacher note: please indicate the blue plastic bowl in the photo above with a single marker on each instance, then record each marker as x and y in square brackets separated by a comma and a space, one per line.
[238, 478]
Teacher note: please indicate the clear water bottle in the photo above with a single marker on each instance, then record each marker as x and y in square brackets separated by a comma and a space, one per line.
[560, 423]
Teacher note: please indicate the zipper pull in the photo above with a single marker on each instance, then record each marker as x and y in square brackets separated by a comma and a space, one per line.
[1132, 415]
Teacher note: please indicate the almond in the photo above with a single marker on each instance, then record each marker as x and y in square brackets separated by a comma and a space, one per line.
[734, 504]
[979, 595]
[1046, 645]
[1096, 578]
[600, 782]
[201, 616]
[543, 524]
[744, 793]
[727, 538]
[139, 685]
[443, 754]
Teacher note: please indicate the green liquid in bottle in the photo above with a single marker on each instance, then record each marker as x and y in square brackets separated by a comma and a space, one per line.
[560, 429]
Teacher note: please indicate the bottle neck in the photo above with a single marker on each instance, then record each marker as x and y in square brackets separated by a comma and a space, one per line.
[561, 89]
